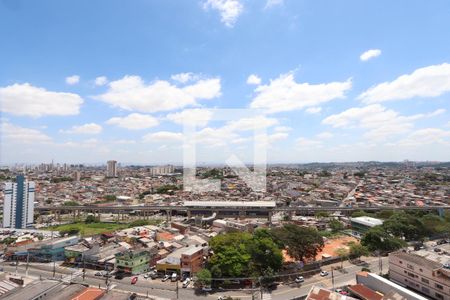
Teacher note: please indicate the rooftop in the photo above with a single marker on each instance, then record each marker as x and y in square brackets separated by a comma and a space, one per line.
[367, 221]
[230, 203]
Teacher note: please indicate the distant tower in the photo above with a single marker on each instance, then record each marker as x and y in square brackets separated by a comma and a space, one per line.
[18, 206]
[111, 168]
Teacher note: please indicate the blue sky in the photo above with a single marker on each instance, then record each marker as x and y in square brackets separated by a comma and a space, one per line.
[87, 81]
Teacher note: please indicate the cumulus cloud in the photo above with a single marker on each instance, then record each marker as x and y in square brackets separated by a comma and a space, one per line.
[198, 116]
[163, 136]
[313, 110]
[185, 77]
[131, 93]
[253, 79]
[229, 10]
[251, 123]
[324, 135]
[369, 54]
[431, 81]
[380, 122]
[134, 121]
[27, 100]
[17, 134]
[305, 143]
[89, 128]
[101, 80]
[426, 136]
[284, 94]
[71, 80]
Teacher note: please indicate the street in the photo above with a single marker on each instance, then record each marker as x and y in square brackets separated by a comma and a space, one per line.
[167, 290]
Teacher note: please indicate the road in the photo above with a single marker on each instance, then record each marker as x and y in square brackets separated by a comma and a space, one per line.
[167, 290]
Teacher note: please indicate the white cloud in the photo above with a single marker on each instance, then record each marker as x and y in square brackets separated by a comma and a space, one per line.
[131, 93]
[229, 10]
[74, 79]
[185, 77]
[282, 129]
[201, 117]
[369, 54]
[17, 134]
[313, 110]
[284, 94]
[380, 121]
[324, 135]
[101, 80]
[253, 79]
[89, 128]
[272, 3]
[426, 136]
[27, 100]
[134, 121]
[431, 81]
[251, 123]
[163, 136]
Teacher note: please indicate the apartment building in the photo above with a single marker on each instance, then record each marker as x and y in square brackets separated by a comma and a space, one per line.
[423, 271]
[192, 260]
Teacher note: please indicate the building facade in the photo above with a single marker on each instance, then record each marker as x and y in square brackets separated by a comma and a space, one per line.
[423, 273]
[133, 262]
[18, 206]
[111, 168]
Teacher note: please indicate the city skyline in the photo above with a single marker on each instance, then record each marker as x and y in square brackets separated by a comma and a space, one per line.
[360, 90]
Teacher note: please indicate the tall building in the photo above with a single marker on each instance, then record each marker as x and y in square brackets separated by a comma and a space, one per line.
[162, 170]
[18, 206]
[111, 168]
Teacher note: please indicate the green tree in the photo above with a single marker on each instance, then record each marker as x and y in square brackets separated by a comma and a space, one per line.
[342, 253]
[406, 226]
[264, 255]
[336, 225]
[434, 224]
[71, 203]
[90, 219]
[377, 238]
[301, 242]
[110, 198]
[203, 278]
[357, 250]
[321, 214]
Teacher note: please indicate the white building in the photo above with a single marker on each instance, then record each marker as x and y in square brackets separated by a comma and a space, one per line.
[162, 170]
[18, 206]
[111, 168]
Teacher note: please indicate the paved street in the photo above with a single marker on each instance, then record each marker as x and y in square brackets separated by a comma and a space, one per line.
[167, 290]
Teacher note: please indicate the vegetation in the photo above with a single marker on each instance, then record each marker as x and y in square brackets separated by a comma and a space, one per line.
[91, 219]
[377, 239]
[137, 223]
[357, 250]
[61, 179]
[336, 225]
[213, 173]
[87, 229]
[110, 198]
[342, 253]
[167, 189]
[71, 203]
[301, 242]
[8, 240]
[203, 278]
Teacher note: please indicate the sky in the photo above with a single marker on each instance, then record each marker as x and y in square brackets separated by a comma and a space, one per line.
[296, 80]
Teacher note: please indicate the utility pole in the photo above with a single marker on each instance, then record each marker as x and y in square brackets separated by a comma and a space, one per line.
[260, 288]
[177, 289]
[332, 276]
[54, 266]
[17, 264]
[380, 264]
[28, 260]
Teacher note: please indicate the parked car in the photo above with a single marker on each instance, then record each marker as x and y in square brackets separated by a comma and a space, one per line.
[174, 277]
[186, 282]
[134, 280]
[153, 275]
[119, 276]
[206, 289]
[324, 273]
[165, 278]
[299, 279]
[341, 291]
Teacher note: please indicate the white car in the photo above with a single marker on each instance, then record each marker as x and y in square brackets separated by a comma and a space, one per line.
[165, 278]
[186, 282]
[324, 273]
[299, 279]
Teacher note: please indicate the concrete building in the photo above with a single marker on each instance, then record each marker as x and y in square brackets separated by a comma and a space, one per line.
[162, 170]
[423, 271]
[386, 287]
[111, 168]
[133, 262]
[361, 224]
[192, 260]
[18, 206]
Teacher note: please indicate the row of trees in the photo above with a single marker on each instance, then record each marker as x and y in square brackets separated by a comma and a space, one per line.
[241, 254]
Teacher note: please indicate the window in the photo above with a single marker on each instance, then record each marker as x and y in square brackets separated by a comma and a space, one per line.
[400, 262]
[410, 266]
[425, 290]
[425, 280]
[439, 296]
[439, 286]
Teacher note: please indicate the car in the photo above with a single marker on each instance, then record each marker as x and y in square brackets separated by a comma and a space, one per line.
[134, 280]
[186, 282]
[341, 291]
[98, 274]
[153, 275]
[299, 279]
[165, 278]
[13, 263]
[119, 276]
[174, 277]
[146, 276]
[324, 273]
[206, 289]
